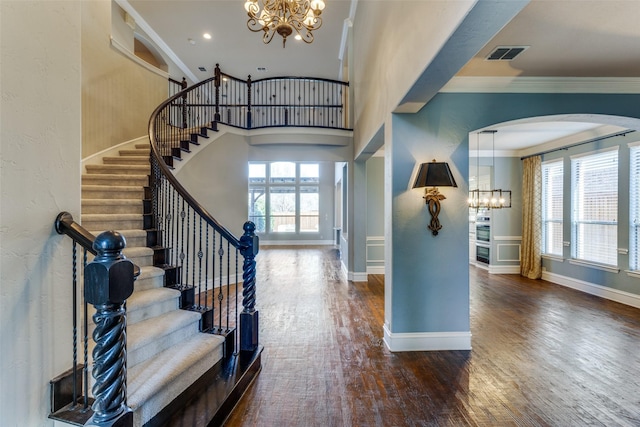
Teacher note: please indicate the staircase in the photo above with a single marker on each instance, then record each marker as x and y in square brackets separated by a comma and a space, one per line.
[166, 353]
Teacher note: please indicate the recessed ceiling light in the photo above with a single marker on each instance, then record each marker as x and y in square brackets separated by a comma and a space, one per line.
[298, 37]
[206, 36]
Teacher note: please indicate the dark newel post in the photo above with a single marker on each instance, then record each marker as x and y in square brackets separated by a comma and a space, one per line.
[216, 82]
[108, 282]
[184, 85]
[249, 316]
[249, 102]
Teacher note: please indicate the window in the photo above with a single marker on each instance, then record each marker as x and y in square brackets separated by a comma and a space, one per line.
[595, 207]
[284, 197]
[552, 176]
[634, 204]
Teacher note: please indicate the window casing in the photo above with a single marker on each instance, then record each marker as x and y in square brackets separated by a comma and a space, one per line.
[594, 221]
[284, 197]
[552, 205]
[634, 208]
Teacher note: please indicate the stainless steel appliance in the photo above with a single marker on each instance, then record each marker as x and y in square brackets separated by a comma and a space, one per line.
[483, 253]
[483, 238]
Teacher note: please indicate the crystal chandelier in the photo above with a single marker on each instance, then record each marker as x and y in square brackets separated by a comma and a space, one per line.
[284, 16]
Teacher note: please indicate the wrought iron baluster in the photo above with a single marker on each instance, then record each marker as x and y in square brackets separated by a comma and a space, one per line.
[194, 254]
[213, 283]
[237, 314]
[220, 293]
[85, 401]
[183, 214]
[228, 280]
[74, 288]
[200, 255]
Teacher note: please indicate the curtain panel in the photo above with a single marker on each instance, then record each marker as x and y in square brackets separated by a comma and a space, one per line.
[531, 256]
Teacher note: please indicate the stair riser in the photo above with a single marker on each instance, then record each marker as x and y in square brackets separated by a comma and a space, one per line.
[141, 260]
[161, 307]
[150, 282]
[141, 152]
[139, 355]
[118, 169]
[165, 395]
[133, 242]
[130, 180]
[112, 209]
[126, 160]
[111, 194]
[112, 224]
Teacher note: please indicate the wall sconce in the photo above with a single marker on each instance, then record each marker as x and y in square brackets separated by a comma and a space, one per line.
[434, 174]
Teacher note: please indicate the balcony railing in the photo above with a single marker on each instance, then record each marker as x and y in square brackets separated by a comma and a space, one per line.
[254, 104]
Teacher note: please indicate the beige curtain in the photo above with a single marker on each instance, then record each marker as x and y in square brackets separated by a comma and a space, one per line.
[531, 260]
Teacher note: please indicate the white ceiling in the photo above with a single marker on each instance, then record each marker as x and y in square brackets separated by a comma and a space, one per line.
[239, 51]
[567, 38]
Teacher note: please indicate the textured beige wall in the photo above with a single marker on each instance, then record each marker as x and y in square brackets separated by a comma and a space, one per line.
[40, 131]
[118, 95]
[388, 57]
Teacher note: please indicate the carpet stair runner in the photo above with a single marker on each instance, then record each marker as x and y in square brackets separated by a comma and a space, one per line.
[166, 353]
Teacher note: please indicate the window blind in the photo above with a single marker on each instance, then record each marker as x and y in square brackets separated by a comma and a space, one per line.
[552, 175]
[634, 206]
[595, 207]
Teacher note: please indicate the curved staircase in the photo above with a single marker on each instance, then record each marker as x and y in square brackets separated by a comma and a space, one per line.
[166, 353]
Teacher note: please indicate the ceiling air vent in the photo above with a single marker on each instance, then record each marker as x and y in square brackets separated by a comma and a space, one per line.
[202, 69]
[506, 53]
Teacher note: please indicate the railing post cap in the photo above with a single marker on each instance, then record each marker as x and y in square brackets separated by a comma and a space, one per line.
[109, 242]
[249, 227]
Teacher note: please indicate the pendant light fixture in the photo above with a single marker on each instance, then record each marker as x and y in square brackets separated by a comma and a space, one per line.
[488, 199]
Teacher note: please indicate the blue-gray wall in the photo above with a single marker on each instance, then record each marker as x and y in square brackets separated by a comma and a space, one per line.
[375, 215]
[430, 274]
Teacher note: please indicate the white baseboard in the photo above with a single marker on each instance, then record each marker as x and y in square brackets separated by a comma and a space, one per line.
[504, 269]
[427, 341]
[616, 295]
[296, 242]
[358, 276]
[375, 269]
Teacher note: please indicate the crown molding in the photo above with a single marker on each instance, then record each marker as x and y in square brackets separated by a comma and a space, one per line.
[611, 85]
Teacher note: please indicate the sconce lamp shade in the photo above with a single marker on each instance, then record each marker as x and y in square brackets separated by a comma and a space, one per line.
[434, 174]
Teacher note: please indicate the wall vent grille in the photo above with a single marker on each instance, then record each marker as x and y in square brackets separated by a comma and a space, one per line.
[506, 53]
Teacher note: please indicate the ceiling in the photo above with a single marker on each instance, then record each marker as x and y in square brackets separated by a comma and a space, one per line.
[564, 38]
[239, 51]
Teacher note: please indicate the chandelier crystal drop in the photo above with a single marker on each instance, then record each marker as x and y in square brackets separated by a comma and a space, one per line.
[284, 17]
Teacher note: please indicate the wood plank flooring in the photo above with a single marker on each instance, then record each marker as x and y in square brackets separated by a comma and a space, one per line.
[543, 355]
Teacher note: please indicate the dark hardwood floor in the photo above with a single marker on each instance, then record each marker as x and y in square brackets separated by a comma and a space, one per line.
[543, 355]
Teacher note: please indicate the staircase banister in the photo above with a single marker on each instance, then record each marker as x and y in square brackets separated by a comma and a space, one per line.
[318, 79]
[195, 205]
[66, 225]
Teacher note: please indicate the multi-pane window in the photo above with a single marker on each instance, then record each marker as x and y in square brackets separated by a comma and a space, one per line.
[594, 219]
[552, 176]
[284, 197]
[634, 203]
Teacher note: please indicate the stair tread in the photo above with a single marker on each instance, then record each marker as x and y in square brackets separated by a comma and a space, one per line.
[141, 299]
[172, 366]
[146, 331]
